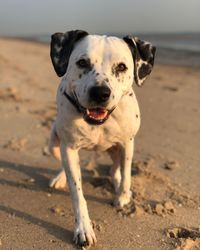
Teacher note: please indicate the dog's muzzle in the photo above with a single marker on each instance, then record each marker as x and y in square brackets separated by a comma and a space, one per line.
[94, 116]
[99, 94]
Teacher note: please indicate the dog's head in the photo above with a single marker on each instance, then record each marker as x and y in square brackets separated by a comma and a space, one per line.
[98, 70]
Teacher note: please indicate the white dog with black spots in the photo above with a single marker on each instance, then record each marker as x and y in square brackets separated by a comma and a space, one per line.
[96, 110]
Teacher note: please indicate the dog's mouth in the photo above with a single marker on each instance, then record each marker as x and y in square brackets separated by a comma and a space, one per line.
[96, 115]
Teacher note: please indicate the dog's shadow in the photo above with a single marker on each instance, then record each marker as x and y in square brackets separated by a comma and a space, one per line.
[37, 179]
[41, 184]
[99, 177]
[34, 180]
[41, 177]
[55, 230]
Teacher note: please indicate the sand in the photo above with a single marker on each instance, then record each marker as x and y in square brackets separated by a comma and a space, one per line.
[165, 209]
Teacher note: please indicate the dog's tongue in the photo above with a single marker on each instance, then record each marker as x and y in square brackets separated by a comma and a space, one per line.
[97, 113]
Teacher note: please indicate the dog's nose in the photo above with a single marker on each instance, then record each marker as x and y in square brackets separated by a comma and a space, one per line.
[99, 93]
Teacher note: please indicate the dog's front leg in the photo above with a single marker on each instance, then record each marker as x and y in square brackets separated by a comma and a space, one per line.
[83, 234]
[124, 193]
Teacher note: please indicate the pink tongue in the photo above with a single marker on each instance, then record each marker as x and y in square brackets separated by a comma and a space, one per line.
[98, 113]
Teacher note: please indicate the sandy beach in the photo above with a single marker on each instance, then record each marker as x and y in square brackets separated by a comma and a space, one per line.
[165, 208]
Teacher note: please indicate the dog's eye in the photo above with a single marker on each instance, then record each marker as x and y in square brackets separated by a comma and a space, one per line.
[83, 63]
[121, 67]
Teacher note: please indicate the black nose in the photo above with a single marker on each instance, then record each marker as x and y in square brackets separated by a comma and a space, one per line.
[99, 93]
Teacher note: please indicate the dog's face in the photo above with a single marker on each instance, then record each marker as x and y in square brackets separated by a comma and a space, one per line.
[99, 70]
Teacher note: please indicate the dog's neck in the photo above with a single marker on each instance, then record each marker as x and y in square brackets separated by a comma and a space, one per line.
[72, 98]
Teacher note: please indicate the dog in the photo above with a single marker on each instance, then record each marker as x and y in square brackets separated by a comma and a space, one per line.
[96, 110]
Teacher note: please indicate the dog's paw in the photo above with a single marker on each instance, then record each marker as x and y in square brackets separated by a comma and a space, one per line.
[122, 199]
[84, 235]
[59, 182]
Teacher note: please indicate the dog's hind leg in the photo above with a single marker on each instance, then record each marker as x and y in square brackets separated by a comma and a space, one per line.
[54, 143]
[59, 181]
[115, 155]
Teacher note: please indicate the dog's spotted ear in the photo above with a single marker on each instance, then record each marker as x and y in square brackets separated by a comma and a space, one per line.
[143, 57]
[62, 45]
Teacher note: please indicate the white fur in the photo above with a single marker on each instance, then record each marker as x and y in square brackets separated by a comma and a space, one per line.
[116, 135]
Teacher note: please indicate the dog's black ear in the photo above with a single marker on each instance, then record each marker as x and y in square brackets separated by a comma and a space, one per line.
[143, 57]
[62, 45]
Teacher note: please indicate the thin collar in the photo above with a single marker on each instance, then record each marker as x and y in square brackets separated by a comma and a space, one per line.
[74, 102]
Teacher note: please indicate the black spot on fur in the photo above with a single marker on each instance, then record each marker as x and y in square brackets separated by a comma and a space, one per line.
[97, 83]
[114, 70]
[144, 51]
[131, 139]
[80, 76]
[151, 60]
[144, 70]
[131, 94]
[137, 115]
[97, 74]
[106, 80]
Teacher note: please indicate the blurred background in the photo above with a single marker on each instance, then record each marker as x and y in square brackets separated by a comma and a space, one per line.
[173, 25]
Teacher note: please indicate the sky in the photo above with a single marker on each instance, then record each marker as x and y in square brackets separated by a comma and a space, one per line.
[35, 17]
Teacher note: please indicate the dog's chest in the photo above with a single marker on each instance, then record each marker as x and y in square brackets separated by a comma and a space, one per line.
[82, 135]
[98, 137]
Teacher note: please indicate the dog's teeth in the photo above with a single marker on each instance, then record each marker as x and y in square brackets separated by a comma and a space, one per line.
[93, 117]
